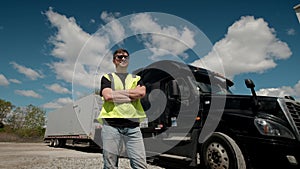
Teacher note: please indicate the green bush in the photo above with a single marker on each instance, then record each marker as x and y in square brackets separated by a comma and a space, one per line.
[30, 133]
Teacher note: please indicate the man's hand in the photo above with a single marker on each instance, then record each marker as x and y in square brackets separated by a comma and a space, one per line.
[137, 93]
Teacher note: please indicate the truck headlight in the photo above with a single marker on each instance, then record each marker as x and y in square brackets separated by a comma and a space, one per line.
[271, 128]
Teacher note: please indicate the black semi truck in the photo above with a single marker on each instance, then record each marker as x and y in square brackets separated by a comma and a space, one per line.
[193, 116]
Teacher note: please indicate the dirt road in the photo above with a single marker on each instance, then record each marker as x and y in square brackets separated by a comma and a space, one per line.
[41, 156]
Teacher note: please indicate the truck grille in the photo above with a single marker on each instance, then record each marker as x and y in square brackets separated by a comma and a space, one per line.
[294, 110]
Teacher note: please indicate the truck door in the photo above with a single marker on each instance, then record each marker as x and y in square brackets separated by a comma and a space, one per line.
[179, 113]
[170, 132]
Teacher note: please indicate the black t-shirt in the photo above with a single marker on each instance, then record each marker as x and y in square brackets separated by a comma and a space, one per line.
[118, 122]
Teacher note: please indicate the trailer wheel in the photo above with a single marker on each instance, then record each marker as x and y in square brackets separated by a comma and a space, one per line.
[221, 151]
[56, 143]
[62, 143]
[51, 144]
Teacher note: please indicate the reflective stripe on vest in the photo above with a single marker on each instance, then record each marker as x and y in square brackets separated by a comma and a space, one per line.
[132, 109]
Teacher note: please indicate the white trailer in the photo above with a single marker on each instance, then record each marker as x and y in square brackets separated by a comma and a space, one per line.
[75, 123]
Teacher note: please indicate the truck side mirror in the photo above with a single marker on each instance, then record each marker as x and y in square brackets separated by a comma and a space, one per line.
[249, 83]
[173, 89]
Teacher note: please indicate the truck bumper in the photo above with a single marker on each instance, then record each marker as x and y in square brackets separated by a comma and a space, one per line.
[271, 153]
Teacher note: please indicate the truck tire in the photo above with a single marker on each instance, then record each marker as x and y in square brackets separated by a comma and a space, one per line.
[56, 143]
[62, 143]
[51, 143]
[221, 151]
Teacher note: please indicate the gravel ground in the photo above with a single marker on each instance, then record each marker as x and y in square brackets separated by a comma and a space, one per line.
[41, 156]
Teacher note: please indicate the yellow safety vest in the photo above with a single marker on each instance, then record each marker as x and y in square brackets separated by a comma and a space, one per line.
[132, 109]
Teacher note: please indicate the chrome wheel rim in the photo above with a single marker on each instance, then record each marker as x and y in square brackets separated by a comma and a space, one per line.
[217, 157]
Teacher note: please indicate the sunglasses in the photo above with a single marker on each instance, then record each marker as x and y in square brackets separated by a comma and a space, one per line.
[121, 56]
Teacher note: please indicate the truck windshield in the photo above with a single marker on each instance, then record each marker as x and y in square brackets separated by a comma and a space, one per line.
[213, 85]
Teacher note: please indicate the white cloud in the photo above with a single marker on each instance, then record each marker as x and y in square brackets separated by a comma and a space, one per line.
[15, 81]
[250, 45]
[69, 38]
[3, 80]
[28, 93]
[58, 103]
[108, 17]
[291, 31]
[81, 55]
[78, 51]
[282, 91]
[28, 72]
[67, 42]
[169, 38]
[115, 29]
[92, 21]
[58, 88]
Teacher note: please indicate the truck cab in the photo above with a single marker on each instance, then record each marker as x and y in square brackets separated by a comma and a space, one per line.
[192, 115]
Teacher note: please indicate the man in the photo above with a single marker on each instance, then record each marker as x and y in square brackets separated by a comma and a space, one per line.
[120, 114]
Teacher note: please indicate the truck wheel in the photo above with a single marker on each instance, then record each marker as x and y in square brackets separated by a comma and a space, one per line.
[221, 151]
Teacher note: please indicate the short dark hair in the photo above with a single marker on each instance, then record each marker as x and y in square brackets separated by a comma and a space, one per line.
[121, 50]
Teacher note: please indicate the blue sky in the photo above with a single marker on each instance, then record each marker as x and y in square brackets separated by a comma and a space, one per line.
[52, 51]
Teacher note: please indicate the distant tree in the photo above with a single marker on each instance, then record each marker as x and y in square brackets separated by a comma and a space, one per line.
[16, 119]
[35, 117]
[5, 108]
[28, 122]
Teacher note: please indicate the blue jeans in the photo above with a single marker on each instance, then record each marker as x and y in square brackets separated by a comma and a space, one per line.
[113, 137]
